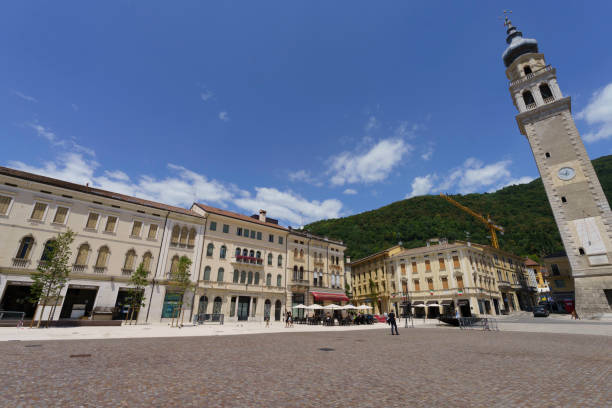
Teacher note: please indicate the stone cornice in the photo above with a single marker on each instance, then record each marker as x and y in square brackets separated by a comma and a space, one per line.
[543, 112]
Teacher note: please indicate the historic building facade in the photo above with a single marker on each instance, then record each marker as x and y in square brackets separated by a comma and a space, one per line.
[579, 205]
[561, 282]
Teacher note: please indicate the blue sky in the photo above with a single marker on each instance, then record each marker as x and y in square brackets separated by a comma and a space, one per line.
[310, 110]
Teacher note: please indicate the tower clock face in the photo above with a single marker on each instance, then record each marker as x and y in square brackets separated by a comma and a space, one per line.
[566, 173]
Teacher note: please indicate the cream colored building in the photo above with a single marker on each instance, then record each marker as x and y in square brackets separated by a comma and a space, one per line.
[114, 233]
[445, 277]
[315, 270]
[561, 281]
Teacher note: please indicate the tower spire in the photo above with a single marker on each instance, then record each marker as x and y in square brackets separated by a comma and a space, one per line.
[517, 45]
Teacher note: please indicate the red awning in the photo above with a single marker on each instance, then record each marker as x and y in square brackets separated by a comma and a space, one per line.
[338, 297]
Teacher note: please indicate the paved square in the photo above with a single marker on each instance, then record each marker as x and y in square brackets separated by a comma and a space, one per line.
[421, 367]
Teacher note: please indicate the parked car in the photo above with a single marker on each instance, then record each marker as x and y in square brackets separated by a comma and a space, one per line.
[540, 311]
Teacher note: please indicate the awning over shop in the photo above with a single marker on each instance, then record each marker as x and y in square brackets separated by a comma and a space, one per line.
[337, 297]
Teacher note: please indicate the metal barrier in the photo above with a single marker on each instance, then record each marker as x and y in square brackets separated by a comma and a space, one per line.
[8, 315]
[208, 318]
[483, 323]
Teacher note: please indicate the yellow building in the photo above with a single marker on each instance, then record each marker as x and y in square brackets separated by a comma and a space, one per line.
[370, 283]
[561, 280]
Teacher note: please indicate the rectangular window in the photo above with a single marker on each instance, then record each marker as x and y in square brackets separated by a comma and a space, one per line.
[5, 203]
[213, 226]
[252, 234]
[270, 238]
[427, 266]
[136, 228]
[233, 307]
[417, 285]
[152, 231]
[430, 284]
[444, 283]
[280, 240]
[456, 262]
[460, 282]
[39, 211]
[258, 235]
[414, 267]
[403, 266]
[60, 215]
[111, 224]
[225, 228]
[92, 221]
[246, 233]
[442, 264]
[555, 270]
[238, 231]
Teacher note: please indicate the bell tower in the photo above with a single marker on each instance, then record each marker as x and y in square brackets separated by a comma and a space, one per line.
[575, 195]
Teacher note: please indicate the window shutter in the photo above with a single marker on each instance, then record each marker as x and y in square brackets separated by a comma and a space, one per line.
[152, 231]
[192, 236]
[146, 262]
[82, 256]
[111, 223]
[4, 204]
[60, 215]
[92, 221]
[136, 228]
[39, 211]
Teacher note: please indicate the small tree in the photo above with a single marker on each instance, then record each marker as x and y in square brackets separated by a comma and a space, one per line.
[51, 275]
[181, 279]
[347, 290]
[139, 281]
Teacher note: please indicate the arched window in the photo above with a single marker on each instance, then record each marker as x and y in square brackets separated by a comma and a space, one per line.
[47, 251]
[279, 280]
[146, 261]
[203, 305]
[220, 273]
[184, 235]
[243, 277]
[269, 279]
[192, 237]
[527, 69]
[209, 249]
[280, 260]
[130, 257]
[270, 259]
[301, 253]
[301, 273]
[252, 254]
[25, 247]
[528, 98]
[176, 234]
[174, 264]
[257, 278]
[277, 310]
[295, 253]
[82, 255]
[267, 308]
[207, 273]
[222, 252]
[258, 255]
[295, 272]
[102, 260]
[217, 305]
[237, 252]
[236, 276]
[546, 93]
[245, 252]
[250, 282]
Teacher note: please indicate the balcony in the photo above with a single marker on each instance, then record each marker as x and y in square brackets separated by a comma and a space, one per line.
[529, 107]
[79, 268]
[531, 75]
[250, 260]
[126, 272]
[99, 269]
[549, 99]
[319, 263]
[241, 287]
[503, 284]
[20, 263]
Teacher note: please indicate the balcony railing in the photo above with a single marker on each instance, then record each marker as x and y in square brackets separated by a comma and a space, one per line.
[530, 107]
[248, 260]
[79, 268]
[531, 75]
[549, 99]
[126, 272]
[20, 263]
[99, 269]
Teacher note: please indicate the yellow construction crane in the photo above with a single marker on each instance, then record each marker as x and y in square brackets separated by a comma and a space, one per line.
[486, 221]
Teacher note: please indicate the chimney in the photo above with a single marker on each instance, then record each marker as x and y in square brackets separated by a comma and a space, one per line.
[262, 215]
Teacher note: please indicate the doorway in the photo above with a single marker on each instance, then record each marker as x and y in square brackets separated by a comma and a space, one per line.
[464, 308]
[243, 307]
[124, 304]
[267, 308]
[15, 299]
[277, 310]
[78, 303]
[496, 306]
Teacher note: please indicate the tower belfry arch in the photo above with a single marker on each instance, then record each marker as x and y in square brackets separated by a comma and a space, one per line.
[580, 208]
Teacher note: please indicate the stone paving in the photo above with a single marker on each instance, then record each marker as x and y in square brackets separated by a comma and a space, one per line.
[363, 368]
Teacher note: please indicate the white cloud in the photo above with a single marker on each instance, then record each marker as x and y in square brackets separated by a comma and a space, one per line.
[371, 124]
[350, 191]
[224, 116]
[422, 185]
[472, 176]
[370, 166]
[428, 154]
[305, 177]
[599, 112]
[25, 97]
[46, 133]
[290, 206]
[182, 187]
[206, 95]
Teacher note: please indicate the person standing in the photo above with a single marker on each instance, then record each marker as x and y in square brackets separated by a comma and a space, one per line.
[392, 322]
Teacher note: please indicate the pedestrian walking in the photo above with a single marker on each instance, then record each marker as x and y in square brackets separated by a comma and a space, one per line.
[267, 319]
[575, 315]
[392, 322]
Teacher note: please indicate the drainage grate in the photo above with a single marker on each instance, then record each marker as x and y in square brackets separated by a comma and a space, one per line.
[80, 355]
[326, 349]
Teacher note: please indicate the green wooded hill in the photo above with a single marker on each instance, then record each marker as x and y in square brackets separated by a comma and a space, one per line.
[522, 210]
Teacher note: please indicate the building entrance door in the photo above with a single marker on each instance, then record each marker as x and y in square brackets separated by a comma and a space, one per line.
[78, 303]
[496, 305]
[243, 307]
[277, 310]
[15, 299]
